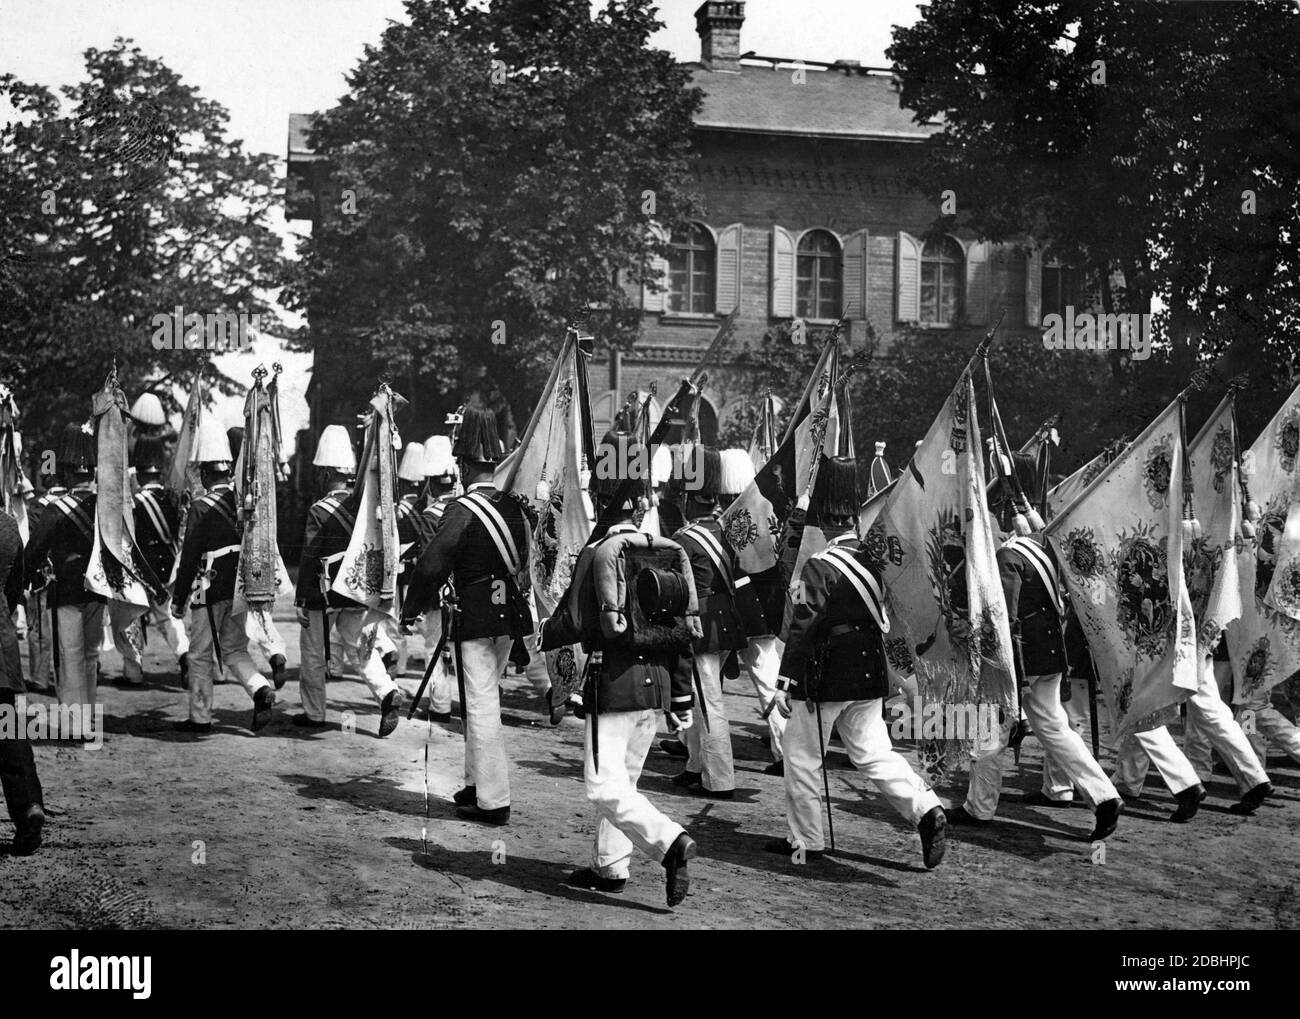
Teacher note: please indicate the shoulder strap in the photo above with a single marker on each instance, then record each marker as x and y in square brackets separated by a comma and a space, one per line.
[863, 581]
[216, 501]
[71, 507]
[708, 541]
[156, 516]
[1042, 563]
[490, 517]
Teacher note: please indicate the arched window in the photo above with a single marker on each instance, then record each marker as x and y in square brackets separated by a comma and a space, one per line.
[692, 272]
[819, 279]
[942, 271]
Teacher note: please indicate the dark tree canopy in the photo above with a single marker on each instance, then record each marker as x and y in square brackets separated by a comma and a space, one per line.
[118, 203]
[1156, 144]
[490, 171]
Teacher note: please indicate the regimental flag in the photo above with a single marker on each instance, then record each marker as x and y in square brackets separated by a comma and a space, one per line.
[1211, 562]
[546, 471]
[14, 485]
[931, 537]
[261, 573]
[1072, 487]
[1265, 643]
[116, 570]
[755, 520]
[1120, 548]
[762, 443]
[368, 572]
[182, 475]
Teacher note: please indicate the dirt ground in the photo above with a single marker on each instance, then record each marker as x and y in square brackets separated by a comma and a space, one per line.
[324, 829]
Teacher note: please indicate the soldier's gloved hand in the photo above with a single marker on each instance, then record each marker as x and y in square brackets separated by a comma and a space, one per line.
[20, 622]
[302, 615]
[681, 721]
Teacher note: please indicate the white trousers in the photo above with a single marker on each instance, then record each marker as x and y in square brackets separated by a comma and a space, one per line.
[709, 749]
[443, 680]
[865, 736]
[1264, 724]
[1067, 760]
[366, 633]
[624, 817]
[762, 657]
[81, 629]
[486, 768]
[1210, 724]
[1137, 751]
[232, 638]
[40, 640]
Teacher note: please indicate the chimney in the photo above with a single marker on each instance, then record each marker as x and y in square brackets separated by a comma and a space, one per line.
[718, 24]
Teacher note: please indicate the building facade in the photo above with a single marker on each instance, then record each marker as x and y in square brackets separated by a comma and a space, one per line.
[807, 215]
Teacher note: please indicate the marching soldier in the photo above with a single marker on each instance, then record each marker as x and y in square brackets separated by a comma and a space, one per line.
[411, 530]
[760, 601]
[1036, 609]
[710, 768]
[628, 682]
[482, 547]
[18, 778]
[440, 483]
[157, 513]
[205, 575]
[65, 536]
[321, 610]
[834, 668]
[40, 617]
[1210, 723]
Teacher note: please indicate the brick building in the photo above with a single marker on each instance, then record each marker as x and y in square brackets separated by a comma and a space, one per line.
[806, 214]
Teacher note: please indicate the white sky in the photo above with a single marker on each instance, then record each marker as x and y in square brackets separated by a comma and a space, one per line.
[265, 59]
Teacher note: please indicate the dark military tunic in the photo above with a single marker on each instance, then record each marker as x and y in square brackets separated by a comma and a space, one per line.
[65, 535]
[11, 585]
[834, 650]
[721, 622]
[628, 679]
[157, 512]
[1032, 611]
[328, 531]
[212, 524]
[462, 550]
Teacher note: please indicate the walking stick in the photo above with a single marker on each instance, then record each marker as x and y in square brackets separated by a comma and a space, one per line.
[216, 637]
[1092, 712]
[428, 670]
[826, 782]
[699, 689]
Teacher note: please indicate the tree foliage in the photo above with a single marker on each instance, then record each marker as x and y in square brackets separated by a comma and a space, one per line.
[1153, 143]
[121, 197]
[490, 171]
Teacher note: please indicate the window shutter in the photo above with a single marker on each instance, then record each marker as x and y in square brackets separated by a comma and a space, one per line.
[1034, 288]
[855, 275]
[727, 290]
[909, 278]
[783, 267]
[656, 270]
[977, 282]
